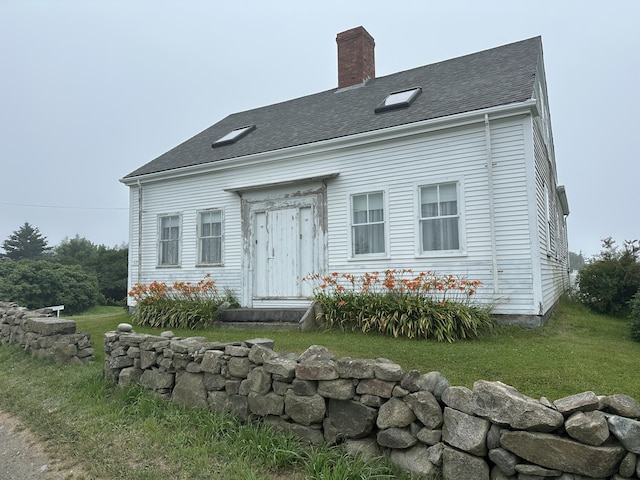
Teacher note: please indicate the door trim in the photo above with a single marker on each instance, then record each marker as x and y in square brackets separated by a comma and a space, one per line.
[265, 201]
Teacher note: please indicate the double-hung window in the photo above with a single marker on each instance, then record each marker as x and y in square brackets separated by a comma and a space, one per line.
[439, 217]
[210, 237]
[549, 227]
[169, 241]
[367, 224]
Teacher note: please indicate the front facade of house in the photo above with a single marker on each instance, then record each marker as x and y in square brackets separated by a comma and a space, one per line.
[399, 178]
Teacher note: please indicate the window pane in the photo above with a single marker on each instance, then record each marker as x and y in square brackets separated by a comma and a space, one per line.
[216, 254]
[376, 215]
[211, 250]
[450, 234]
[216, 229]
[169, 252]
[376, 208]
[449, 208]
[429, 194]
[360, 209]
[429, 201]
[440, 234]
[448, 192]
[375, 201]
[429, 210]
[368, 239]
[448, 199]
[205, 256]
[398, 97]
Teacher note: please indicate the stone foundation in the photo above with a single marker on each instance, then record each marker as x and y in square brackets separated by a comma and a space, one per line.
[43, 335]
[421, 422]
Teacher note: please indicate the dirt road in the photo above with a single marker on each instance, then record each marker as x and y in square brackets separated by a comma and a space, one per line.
[23, 456]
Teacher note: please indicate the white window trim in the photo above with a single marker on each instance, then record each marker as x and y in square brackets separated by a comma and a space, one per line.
[462, 230]
[159, 240]
[199, 263]
[385, 205]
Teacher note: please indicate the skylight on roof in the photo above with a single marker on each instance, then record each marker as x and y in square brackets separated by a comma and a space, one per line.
[233, 136]
[400, 99]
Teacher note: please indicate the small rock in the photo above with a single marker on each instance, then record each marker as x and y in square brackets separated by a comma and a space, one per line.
[590, 427]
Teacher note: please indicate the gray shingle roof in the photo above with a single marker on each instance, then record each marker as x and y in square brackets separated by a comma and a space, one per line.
[490, 78]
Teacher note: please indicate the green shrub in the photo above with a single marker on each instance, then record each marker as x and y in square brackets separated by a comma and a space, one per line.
[634, 305]
[427, 306]
[181, 305]
[608, 283]
[108, 264]
[39, 283]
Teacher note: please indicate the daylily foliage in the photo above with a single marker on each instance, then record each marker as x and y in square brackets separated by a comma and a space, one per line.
[402, 303]
[178, 305]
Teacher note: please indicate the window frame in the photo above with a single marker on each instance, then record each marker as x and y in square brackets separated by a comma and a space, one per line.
[384, 223]
[233, 135]
[392, 103]
[161, 242]
[200, 237]
[550, 219]
[460, 215]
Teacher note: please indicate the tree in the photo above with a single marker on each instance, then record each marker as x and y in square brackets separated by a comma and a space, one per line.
[634, 305]
[576, 261]
[41, 283]
[75, 251]
[25, 243]
[608, 283]
[109, 265]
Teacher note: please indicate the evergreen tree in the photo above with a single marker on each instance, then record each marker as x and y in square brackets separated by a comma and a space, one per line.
[609, 282]
[25, 243]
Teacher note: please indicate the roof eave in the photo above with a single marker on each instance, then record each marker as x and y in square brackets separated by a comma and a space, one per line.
[562, 196]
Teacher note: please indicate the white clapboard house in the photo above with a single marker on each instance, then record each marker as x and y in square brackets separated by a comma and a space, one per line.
[448, 167]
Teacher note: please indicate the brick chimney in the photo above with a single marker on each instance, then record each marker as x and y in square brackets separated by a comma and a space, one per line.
[356, 59]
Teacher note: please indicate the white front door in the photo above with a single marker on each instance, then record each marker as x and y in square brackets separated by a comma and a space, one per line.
[287, 244]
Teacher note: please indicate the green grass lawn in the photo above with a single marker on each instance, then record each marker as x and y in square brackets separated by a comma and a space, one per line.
[128, 433]
[575, 351]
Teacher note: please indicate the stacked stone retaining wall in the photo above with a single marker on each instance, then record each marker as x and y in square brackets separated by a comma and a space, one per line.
[422, 423]
[43, 335]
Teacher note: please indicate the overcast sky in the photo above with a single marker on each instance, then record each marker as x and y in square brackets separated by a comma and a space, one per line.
[91, 90]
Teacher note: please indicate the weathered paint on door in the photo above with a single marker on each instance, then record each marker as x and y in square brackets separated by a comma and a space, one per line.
[284, 242]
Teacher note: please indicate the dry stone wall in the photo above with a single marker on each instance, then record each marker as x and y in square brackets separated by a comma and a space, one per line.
[422, 423]
[43, 335]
